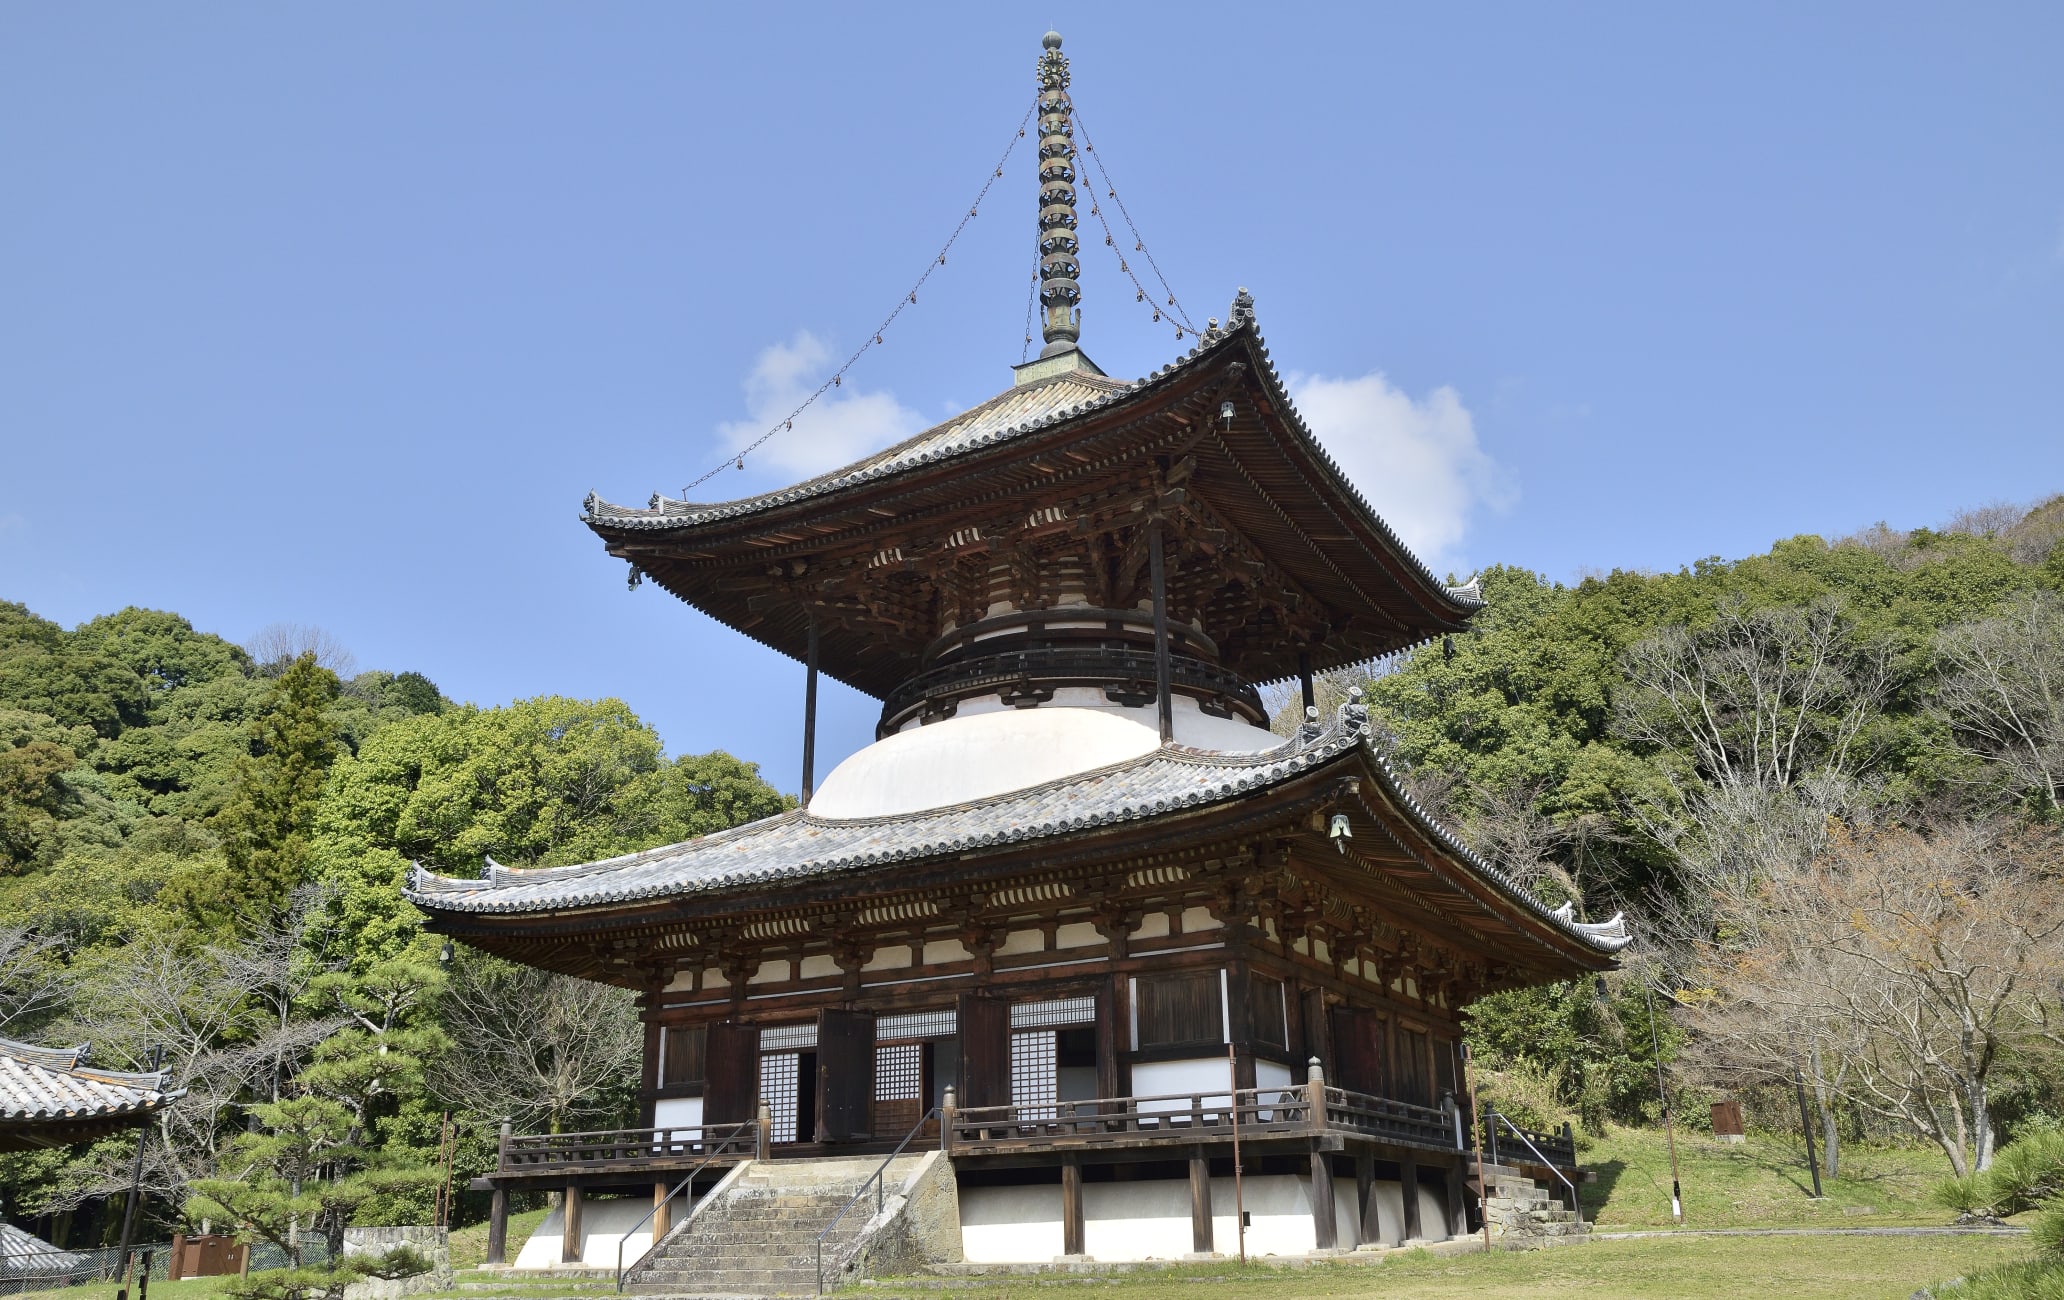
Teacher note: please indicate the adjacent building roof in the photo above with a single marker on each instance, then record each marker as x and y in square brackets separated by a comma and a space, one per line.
[51, 1097]
[796, 846]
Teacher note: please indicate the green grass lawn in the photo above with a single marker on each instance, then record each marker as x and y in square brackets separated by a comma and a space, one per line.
[1762, 1183]
[1659, 1268]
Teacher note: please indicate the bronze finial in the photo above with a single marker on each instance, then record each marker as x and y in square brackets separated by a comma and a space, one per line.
[1060, 294]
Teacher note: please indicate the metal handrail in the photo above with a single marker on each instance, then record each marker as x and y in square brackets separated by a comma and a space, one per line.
[719, 1150]
[1576, 1205]
[878, 1178]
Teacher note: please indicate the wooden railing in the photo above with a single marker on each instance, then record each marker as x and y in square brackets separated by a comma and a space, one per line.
[631, 1148]
[1558, 1149]
[1184, 1119]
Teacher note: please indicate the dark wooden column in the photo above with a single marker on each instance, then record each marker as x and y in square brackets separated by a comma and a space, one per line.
[570, 1235]
[498, 1206]
[1408, 1180]
[1311, 700]
[1071, 1206]
[1458, 1198]
[1365, 1200]
[498, 1226]
[1157, 573]
[810, 713]
[1323, 1235]
[1200, 1203]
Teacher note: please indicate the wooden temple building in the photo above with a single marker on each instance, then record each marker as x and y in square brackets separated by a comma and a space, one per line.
[1078, 919]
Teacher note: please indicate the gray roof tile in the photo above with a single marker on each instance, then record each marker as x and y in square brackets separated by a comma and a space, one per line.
[42, 1083]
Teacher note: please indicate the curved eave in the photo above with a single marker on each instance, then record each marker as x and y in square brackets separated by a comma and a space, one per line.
[465, 907]
[1337, 522]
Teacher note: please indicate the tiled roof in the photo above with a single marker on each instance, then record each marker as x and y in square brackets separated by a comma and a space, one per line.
[1014, 414]
[794, 845]
[42, 1083]
[1008, 414]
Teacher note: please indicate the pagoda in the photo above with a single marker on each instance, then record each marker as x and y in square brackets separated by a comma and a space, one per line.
[1077, 918]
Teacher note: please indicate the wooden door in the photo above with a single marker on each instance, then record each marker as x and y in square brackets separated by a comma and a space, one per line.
[984, 1050]
[845, 1075]
[731, 1063]
[1358, 1051]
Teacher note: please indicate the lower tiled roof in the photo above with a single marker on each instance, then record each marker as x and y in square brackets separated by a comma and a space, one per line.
[796, 846]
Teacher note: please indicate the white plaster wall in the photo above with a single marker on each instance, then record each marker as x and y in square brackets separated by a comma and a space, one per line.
[684, 1111]
[1205, 1077]
[1146, 1220]
[604, 1223]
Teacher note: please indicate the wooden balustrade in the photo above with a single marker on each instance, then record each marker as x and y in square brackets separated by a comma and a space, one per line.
[1187, 1119]
[636, 1148]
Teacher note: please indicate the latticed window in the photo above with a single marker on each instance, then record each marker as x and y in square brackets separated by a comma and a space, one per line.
[1035, 1074]
[898, 1087]
[778, 1090]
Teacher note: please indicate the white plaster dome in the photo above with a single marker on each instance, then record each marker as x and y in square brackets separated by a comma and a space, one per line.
[989, 748]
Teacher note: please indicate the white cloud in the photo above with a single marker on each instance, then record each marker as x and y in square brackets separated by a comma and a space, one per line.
[1417, 462]
[838, 429]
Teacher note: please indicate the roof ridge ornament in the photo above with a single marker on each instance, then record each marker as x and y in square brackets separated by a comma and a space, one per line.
[1060, 290]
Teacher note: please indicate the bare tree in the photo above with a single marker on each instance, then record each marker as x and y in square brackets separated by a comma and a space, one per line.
[536, 1047]
[34, 980]
[2002, 693]
[1905, 968]
[213, 1011]
[278, 644]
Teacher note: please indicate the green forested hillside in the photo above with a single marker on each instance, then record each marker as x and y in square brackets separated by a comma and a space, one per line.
[200, 850]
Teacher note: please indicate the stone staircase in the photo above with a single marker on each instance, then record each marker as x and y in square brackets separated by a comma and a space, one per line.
[1522, 1210]
[758, 1235]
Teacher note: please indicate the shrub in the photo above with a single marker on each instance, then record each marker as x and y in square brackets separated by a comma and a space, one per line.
[2048, 1231]
[1527, 1094]
[1971, 1195]
[2028, 1171]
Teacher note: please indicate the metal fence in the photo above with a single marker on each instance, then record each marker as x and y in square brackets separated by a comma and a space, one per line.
[47, 1270]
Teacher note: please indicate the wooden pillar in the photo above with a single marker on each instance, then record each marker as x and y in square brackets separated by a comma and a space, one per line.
[498, 1226]
[1157, 572]
[498, 1205]
[1311, 699]
[570, 1236]
[810, 712]
[1323, 1234]
[1458, 1198]
[1071, 1206]
[1200, 1203]
[1408, 1181]
[662, 1210]
[1370, 1223]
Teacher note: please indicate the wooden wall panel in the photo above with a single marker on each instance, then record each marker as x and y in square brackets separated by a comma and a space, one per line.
[732, 1064]
[984, 1050]
[845, 1075]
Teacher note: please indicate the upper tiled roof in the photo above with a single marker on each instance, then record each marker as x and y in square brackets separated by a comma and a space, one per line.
[1009, 413]
[42, 1083]
[795, 845]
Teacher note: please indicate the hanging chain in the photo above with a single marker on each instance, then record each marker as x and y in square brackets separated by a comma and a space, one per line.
[1031, 297]
[874, 339]
[1139, 245]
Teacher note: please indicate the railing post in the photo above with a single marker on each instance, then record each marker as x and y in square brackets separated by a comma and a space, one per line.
[502, 1146]
[946, 1111]
[1315, 1090]
[498, 1204]
[763, 1149]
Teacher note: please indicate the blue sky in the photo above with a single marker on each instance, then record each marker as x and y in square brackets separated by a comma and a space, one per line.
[332, 314]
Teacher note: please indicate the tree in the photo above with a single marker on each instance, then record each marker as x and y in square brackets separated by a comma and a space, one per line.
[1924, 963]
[265, 828]
[2002, 694]
[278, 645]
[544, 1049]
[540, 782]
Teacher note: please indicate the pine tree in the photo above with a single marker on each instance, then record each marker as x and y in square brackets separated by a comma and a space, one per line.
[266, 824]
